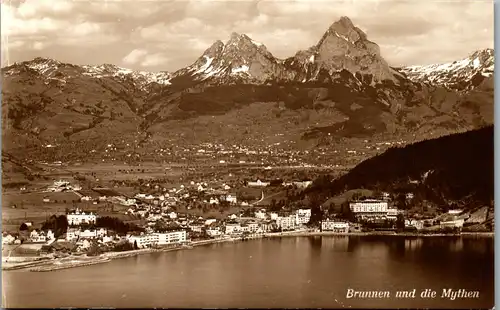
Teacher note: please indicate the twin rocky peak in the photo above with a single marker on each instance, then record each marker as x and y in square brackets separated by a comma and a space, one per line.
[342, 47]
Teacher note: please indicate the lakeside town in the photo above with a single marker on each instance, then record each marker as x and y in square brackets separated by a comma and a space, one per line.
[176, 218]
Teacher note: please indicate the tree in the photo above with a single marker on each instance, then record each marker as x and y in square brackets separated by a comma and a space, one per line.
[400, 201]
[23, 227]
[346, 212]
[356, 196]
[58, 224]
[135, 245]
[332, 208]
[316, 213]
[400, 222]
[94, 250]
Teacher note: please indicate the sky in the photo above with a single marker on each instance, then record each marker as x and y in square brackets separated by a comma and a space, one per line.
[166, 35]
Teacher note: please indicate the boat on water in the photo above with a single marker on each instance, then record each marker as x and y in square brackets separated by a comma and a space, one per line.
[187, 246]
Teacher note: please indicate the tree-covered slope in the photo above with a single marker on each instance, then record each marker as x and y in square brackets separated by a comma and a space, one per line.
[454, 168]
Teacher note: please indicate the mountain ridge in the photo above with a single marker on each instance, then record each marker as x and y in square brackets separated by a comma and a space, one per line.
[49, 102]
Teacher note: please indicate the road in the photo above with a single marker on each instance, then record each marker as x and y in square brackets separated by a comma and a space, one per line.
[270, 196]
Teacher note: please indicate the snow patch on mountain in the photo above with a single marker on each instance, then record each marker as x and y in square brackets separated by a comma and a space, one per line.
[206, 66]
[243, 69]
[343, 37]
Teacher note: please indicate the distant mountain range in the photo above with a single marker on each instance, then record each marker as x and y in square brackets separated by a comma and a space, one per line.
[238, 92]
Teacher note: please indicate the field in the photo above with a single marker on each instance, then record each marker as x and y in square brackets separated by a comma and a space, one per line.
[269, 197]
[36, 199]
[22, 207]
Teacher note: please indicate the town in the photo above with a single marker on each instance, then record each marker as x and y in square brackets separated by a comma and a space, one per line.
[197, 213]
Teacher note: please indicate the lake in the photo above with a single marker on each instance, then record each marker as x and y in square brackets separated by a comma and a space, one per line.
[290, 272]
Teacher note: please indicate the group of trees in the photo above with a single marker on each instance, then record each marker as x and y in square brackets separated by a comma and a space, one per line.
[117, 225]
[124, 246]
[58, 224]
[161, 226]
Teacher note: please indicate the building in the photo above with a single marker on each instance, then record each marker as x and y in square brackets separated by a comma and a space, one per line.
[287, 222]
[409, 223]
[172, 237]
[392, 214]
[36, 236]
[370, 209]
[334, 226]
[154, 239]
[75, 233]
[302, 216]
[78, 217]
[93, 234]
[214, 201]
[303, 184]
[231, 198]
[196, 227]
[85, 198]
[72, 234]
[210, 221]
[455, 223]
[253, 226]
[232, 228]
[59, 186]
[260, 214]
[258, 183]
[267, 226]
[214, 232]
[50, 235]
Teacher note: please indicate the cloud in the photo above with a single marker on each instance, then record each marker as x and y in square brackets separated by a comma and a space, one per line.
[38, 45]
[175, 32]
[134, 56]
[154, 60]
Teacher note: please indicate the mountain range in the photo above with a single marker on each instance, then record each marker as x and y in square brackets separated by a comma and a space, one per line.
[337, 91]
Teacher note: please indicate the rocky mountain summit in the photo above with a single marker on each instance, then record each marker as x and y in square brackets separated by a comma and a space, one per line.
[342, 47]
[240, 59]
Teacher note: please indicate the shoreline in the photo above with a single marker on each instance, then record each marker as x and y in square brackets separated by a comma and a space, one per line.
[381, 233]
[51, 265]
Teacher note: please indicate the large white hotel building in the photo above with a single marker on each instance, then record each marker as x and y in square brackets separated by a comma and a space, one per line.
[373, 209]
[145, 240]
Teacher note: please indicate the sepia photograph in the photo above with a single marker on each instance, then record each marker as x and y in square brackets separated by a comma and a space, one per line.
[247, 154]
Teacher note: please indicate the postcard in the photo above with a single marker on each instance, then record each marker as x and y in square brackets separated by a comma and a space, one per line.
[247, 154]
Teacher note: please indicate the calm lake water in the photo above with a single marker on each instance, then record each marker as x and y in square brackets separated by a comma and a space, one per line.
[294, 272]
